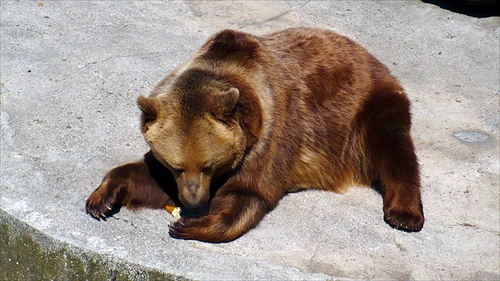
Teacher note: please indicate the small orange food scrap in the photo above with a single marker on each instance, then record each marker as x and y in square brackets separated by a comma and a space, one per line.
[40, 4]
[174, 211]
[170, 209]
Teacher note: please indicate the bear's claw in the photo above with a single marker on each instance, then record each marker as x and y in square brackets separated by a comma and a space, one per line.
[179, 229]
[404, 220]
[193, 228]
[100, 206]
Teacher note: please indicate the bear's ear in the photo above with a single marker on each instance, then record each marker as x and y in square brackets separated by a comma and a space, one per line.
[229, 99]
[224, 103]
[149, 108]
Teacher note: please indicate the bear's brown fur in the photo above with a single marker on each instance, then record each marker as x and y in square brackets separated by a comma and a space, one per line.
[249, 118]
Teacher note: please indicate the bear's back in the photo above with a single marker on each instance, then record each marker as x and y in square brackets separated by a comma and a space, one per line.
[324, 81]
[329, 65]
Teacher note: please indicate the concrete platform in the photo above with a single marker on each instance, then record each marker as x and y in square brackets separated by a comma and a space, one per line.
[70, 75]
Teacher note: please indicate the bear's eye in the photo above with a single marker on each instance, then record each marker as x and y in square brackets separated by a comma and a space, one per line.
[221, 119]
[177, 172]
[224, 119]
[206, 170]
[180, 171]
[176, 169]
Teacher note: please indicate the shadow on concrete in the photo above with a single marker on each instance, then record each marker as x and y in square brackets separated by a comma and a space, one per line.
[478, 9]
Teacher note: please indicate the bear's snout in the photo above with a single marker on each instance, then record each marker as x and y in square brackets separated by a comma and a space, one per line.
[193, 190]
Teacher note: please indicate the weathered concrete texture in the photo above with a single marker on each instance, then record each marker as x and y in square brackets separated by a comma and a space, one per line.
[29, 254]
[70, 74]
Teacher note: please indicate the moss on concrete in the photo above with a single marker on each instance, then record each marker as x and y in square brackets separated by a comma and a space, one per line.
[28, 254]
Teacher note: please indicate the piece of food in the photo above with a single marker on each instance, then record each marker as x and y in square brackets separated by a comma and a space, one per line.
[174, 211]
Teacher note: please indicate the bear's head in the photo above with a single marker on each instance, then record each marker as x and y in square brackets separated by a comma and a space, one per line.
[194, 129]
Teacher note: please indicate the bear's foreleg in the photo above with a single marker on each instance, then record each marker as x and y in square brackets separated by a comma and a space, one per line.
[133, 185]
[233, 212]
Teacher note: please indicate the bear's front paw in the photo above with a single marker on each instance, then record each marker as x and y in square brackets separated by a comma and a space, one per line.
[104, 201]
[185, 228]
[203, 228]
[405, 220]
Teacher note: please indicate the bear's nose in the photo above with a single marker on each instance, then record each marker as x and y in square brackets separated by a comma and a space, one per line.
[196, 210]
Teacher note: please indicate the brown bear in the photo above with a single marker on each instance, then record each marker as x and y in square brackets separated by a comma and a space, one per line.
[249, 118]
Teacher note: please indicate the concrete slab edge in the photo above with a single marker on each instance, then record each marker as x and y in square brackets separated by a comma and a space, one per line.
[29, 254]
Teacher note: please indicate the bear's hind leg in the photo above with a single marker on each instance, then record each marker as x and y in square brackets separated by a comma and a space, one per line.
[391, 159]
[399, 175]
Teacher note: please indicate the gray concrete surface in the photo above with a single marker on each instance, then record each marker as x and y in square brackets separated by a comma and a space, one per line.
[70, 75]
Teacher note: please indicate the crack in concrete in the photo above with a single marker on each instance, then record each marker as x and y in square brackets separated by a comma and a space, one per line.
[86, 63]
[274, 17]
[478, 228]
